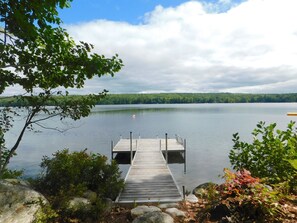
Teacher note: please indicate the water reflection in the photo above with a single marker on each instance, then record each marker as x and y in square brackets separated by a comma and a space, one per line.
[208, 129]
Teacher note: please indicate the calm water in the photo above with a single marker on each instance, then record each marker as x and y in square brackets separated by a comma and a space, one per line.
[208, 129]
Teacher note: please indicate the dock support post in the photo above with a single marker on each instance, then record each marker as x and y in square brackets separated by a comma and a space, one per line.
[160, 145]
[166, 147]
[131, 151]
[185, 156]
[111, 150]
[184, 192]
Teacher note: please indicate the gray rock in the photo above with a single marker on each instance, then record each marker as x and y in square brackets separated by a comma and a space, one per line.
[108, 205]
[79, 203]
[168, 205]
[174, 212]
[191, 198]
[202, 190]
[154, 217]
[201, 193]
[143, 209]
[18, 202]
[90, 195]
[17, 182]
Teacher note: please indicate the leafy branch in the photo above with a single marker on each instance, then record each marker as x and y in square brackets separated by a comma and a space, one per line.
[42, 57]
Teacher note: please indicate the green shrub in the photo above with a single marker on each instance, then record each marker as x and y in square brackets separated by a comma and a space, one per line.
[69, 175]
[267, 155]
[11, 174]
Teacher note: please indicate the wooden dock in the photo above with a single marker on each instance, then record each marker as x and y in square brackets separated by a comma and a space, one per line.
[149, 179]
[292, 114]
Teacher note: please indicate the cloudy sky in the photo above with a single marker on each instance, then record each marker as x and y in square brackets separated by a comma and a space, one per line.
[246, 46]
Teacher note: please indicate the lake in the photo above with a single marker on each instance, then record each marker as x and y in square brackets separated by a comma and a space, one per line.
[208, 129]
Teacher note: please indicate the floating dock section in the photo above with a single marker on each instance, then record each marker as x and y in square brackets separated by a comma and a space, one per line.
[149, 178]
[292, 114]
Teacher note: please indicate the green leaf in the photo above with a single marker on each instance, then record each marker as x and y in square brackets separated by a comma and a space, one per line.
[293, 163]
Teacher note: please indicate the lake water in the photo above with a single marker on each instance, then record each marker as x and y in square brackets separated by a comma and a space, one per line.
[208, 129]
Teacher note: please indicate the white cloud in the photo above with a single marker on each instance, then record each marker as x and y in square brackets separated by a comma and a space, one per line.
[252, 47]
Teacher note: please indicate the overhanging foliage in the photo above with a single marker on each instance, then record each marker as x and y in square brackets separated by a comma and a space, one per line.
[38, 56]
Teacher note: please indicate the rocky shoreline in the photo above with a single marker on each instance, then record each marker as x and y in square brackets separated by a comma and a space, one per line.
[19, 203]
[181, 212]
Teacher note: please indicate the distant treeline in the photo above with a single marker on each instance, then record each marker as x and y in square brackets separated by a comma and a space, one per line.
[173, 98]
[177, 98]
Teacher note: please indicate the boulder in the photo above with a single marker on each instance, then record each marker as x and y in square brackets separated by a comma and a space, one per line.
[202, 190]
[108, 205]
[79, 203]
[90, 195]
[154, 217]
[18, 202]
[143, 209]
[168, 205]
[191, 198]
[174, 212]
[17, 182]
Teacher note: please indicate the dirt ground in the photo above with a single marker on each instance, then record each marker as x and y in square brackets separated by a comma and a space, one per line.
[122, 214]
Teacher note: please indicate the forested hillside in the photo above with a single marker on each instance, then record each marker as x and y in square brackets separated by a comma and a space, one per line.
[169, 98]
[173, 98]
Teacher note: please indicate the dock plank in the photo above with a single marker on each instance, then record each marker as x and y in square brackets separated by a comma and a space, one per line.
[149, 179]
[124, 145]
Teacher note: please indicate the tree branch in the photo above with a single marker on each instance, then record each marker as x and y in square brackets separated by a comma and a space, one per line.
[6, 34]
[13, 149]
[46, 118]
[51, 128]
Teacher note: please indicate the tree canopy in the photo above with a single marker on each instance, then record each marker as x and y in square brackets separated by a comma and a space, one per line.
[39, 57]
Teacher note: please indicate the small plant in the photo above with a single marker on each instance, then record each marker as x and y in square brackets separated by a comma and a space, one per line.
[11, 174]
[212, 192]
[267, 155]
[293, 182]
[243, 198]
[46, 214]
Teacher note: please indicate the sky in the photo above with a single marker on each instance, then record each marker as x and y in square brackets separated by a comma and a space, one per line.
[237, 46]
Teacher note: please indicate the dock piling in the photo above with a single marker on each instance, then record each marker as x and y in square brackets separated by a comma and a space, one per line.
[160, 145]
[131, 151]
[166, 146]
[185, 156]
[111, 149]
